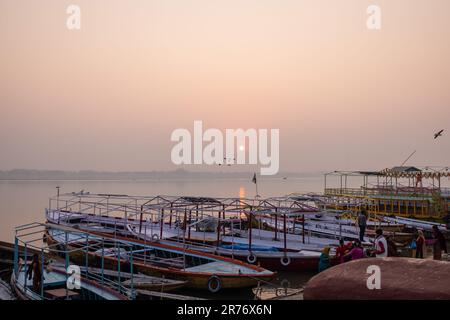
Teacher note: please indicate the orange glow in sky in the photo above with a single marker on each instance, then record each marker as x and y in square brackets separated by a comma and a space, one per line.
[108, 96]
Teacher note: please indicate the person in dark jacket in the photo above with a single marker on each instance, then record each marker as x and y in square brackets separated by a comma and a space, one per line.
[441, 242]
[362, 224]
[34, 270]
[447, 221]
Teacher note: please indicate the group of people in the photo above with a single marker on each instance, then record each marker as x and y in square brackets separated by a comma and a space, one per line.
[354, 251]
[382, 246]
[419, 241]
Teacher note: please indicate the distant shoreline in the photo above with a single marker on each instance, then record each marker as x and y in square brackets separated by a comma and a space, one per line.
[53, 175]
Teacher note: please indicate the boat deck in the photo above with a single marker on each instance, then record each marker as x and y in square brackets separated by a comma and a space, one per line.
[54, 279]
[224, 267]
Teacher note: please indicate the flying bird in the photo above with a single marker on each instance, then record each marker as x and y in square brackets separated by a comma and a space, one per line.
[438, 134]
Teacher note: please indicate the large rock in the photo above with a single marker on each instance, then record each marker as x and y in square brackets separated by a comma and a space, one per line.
[400, 278]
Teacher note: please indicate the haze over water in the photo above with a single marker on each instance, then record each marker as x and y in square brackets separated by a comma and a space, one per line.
[24, 202]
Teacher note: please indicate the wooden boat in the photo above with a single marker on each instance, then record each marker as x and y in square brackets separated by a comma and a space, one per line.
[415, 223]
[139, 281]
[404, 191]
[302, 260]
[55, 287]
[265, 251]
[200, 270]
[290, 255]
[56, 277]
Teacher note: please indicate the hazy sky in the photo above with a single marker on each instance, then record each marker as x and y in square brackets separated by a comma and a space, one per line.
[108, 96]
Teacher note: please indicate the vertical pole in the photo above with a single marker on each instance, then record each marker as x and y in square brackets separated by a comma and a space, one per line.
[161, 224]
[184, 226]
[223, 208]
[118, 264]
[16, 256]
[218, 231]
[42, 274]
[57, 198]
[284, 227]
[196, 217]
[25, 267]
[103, 261]
[189, 229]
[140, 219]
[303, 228]
[276, 224]
[66, 262]
[132, 276]
[250, 230]
[86, 253]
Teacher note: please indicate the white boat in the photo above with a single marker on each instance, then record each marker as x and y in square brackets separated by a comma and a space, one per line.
[419, 224]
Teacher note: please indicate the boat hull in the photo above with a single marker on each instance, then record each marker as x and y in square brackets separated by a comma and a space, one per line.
[194, 280]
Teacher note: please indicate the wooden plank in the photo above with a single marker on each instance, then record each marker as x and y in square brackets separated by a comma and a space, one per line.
[60, 293]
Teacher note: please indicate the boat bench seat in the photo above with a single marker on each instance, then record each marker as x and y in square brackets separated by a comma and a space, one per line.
[172, 262]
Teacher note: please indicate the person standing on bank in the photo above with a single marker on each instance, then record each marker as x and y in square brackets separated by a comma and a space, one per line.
[420, 244]
[439, 243]
[362, 223]
[380, 245]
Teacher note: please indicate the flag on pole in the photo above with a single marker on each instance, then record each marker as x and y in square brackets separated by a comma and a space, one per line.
[256, 185]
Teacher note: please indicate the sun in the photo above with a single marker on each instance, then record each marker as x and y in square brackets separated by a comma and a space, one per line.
[241, 148]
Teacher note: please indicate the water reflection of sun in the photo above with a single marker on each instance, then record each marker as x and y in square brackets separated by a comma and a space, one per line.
[241, 192]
